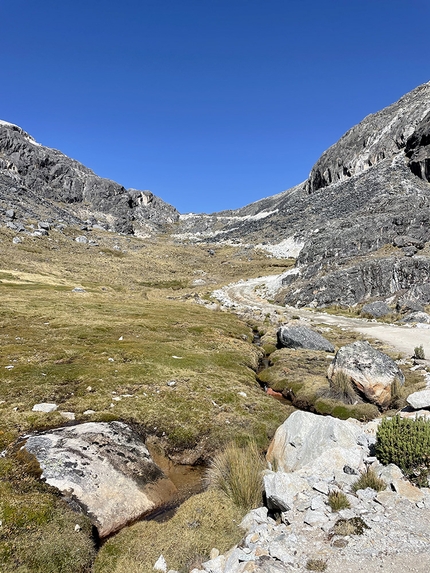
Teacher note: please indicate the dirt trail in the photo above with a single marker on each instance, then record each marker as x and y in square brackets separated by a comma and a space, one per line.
[250, 295]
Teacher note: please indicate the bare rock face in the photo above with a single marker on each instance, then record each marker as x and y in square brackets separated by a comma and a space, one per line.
[303, 337]
[105, 468]
[372, 372]
[44, 183]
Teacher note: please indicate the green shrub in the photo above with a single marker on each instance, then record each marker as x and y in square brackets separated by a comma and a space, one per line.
[406, 443]
[337, 500]
[369, 479]
[237, 472]
[419, 352]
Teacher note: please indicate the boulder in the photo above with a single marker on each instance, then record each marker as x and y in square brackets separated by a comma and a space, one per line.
[303, 337]
[317, 445]
[376, 309]
[372, 372]
[420, 317]
[419, 399]
[105, 469]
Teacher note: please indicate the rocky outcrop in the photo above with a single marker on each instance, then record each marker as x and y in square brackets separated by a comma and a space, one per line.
[43, 183]
[420, 399]
[104, 469]
[368, 278]
[371, 372]
[302, 337]
[356, 226]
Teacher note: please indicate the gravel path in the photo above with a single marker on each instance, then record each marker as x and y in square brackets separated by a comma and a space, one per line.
[250, 295]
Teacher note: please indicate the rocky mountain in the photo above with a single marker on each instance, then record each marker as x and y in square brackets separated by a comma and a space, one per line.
[359, 226]
[39, 183]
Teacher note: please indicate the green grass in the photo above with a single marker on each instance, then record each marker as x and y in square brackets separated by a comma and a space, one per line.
[204, 521]
[136, 311]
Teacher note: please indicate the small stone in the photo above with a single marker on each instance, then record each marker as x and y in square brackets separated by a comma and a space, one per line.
[243, 394]
[77, 528]
[78, 289]
[10, 213]
[89, 412]
[321, 486]
[315, 518]
[16, 240]
[44, 407]
[68, 415]
[214, 553]
[9, 367]
[81, 239]
[89, 389]
[171, 383]
[407, 490]
[160, 565]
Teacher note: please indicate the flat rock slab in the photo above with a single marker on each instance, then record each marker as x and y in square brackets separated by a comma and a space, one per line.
[44, 407]
[105, 468]
[303, 337]
[419, 399]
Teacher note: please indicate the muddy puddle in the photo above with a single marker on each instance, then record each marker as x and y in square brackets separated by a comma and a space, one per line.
[189, 480]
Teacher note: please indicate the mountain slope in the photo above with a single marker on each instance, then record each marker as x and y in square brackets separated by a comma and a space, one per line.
[42, 183]
[360, 223]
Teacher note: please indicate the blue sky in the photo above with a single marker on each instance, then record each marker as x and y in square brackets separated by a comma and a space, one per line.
[210, 104]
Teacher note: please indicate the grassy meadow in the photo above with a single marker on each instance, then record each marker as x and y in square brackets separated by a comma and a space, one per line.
[131, 344]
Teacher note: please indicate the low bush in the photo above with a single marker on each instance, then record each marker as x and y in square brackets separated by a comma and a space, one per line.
[406, 443]
[337, 500]
[369, 479]
[353, 526]
[237, 472]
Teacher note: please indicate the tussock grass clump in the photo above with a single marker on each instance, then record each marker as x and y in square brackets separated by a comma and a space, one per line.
[337, 500]
[341, 388]
[237, 473]
[406, 443]
[316, 565]
[419, 352]
[368, 478]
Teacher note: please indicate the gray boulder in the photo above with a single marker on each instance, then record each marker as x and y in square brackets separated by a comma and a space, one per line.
[372, 372]
[282, 488]
[303, 337]
[422, 317]
[105, 468]
[376, 309]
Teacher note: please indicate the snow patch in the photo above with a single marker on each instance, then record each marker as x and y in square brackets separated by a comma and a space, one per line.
[288, 248]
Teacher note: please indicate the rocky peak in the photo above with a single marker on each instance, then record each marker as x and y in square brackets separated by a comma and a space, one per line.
[32, 174]
[379, 136]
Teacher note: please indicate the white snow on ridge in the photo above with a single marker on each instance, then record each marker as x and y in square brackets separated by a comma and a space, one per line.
[261, 215]
[26, 135]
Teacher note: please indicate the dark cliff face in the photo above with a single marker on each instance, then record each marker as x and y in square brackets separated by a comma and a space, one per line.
[366, 197]
[44, 183]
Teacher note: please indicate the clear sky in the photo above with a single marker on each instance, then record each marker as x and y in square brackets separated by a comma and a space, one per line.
[210, 104]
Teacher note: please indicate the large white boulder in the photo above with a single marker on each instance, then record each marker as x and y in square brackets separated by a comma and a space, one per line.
[103, 467]
[317, 445]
